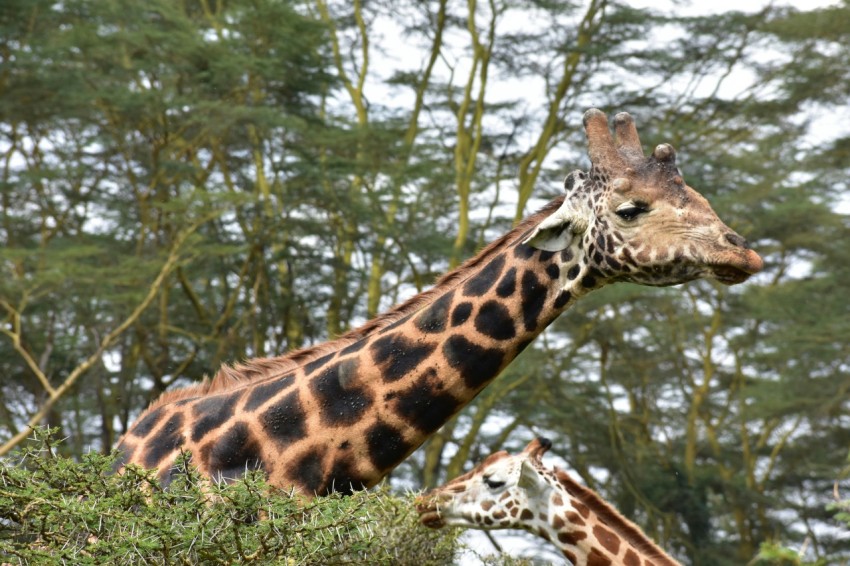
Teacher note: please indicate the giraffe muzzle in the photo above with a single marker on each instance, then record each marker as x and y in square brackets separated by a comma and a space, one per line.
[429, 513]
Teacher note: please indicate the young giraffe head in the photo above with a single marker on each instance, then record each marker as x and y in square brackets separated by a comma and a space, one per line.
[638, 220]
[519, 492]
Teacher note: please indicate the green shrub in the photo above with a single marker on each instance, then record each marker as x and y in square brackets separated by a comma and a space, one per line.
[57, 511]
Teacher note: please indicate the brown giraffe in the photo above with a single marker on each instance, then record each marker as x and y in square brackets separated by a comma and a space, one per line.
[519, 492]
[341, 415]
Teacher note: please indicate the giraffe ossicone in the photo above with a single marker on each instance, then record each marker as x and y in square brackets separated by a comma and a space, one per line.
[339, 416]
[519, 492]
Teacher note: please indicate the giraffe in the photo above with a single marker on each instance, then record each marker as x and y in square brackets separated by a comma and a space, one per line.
[340, 415]
[519, 492]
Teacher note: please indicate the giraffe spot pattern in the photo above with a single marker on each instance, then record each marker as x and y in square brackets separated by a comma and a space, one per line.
[423, 407]
[351, 348]
[125, 454]
[147, 424]
[562, 300]
[398, 355]
[572, 538]
[631, 558]
[343, 478]
[164, 442]
[607, 539]
[507, 285]
[477, 365]
[262, 392]
[284, 421]
[396, 324]
[494, 320]
[481, 282]
[317, 364]
[533, 296]
[589, 280]
[434, 318]
[524, 251]
[461, 313]
[211, 413]
[386, 445]
[596, 558]
[307, 471]
[340, 402]
[235, 452]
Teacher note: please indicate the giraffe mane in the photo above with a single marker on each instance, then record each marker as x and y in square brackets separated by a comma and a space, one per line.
[611, 516]
[232, 376]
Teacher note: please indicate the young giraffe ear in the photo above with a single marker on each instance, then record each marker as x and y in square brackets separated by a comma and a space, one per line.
[530, 480]
[557, 230]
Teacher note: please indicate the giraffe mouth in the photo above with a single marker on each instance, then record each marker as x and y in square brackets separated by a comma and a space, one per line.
[431, 518]
[729, 275]
[738, 268]
[429, 513]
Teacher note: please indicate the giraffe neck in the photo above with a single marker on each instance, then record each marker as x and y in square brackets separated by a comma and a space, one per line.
[355, 408]
[589, 531]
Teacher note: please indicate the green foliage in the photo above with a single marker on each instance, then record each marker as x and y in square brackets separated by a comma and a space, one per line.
[55, 510]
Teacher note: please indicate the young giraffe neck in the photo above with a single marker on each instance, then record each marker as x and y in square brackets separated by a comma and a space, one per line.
[589, 532]
[350, 412]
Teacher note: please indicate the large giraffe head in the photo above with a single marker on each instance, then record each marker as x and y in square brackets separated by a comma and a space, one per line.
[502, 492]
[638, 220]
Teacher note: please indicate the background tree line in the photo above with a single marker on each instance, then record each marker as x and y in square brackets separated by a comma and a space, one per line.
[191, 183]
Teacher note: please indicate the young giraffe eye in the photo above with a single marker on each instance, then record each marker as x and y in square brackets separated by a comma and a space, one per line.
[631, 210]
[493, 484]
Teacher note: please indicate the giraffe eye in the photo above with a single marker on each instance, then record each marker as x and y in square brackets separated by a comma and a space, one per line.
[493, 484]
[631, 210]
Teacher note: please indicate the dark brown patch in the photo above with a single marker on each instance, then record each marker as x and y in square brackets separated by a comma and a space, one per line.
[434, 317]
[341, 402]
[387, 447]
[507, 285]
[494, 320]
[606, 538]
[424, 407]
[481, 282]
[284, 421]
[596, 558]
[262, 392]
[461, 313]
[533, 297]
[631, 558]
[232, 454]
[147, 424]
[477, 365]
[212, 412]
[165, 441]
[398, 356]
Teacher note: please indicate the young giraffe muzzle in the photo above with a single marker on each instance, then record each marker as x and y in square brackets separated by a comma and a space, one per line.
[520, 492]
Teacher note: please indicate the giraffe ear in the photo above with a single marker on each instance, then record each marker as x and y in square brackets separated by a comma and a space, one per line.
[556, 231]
[529, 479]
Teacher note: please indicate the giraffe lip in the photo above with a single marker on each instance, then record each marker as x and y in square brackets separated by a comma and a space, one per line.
[431, 518]
[729, 275]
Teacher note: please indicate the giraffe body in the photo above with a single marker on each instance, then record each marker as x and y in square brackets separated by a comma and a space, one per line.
[519, 492]
[340, 415]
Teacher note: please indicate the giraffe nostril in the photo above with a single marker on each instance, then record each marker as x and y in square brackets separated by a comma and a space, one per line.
[737, 240]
